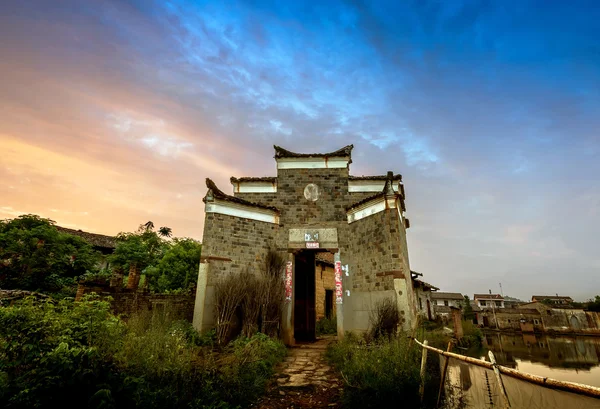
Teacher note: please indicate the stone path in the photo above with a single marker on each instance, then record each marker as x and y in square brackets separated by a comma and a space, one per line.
[304, 380]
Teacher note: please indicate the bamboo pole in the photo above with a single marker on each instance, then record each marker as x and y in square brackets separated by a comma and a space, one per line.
[423, 367]
[443, 376]
[573, 387]
[499, 379]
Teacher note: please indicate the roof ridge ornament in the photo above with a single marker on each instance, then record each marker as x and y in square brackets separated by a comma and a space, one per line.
[388, 188]
[346, 151]
[215, 193]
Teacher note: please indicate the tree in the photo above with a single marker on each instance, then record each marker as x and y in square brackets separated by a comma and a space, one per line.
[468, 313]
[178, 268]
[165, 232]
[34, 255]
[137, 251]
[594, 305]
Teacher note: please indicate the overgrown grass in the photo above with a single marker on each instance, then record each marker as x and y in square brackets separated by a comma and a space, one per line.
[74, 355]
[385, 373]
[326, 326]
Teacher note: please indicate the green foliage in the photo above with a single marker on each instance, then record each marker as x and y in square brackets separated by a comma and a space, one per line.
[143, 248]
[34, 255]
[103, 275]
[73, 355]
[178, 268]
[381, 374]
[594, 305]
[472, 335]
[467, 309]
[326, 326]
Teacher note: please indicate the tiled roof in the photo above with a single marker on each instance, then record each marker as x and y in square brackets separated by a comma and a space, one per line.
[488, 297]
[219, 194]
[377, 177]
[365, 200]
[98, 240]
[270, 179]
[284, 153]
[551, 297]
[447, 296]
[425, 284]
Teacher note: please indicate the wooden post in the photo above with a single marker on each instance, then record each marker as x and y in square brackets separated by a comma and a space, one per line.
[499, 379]
[423, 367]
[444, 375]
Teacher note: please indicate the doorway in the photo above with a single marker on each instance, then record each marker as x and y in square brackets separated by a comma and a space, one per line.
[428, 310]
[304, 297]
[328, 304]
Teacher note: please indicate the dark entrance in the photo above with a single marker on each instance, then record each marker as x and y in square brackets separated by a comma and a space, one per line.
[304, 297]
[428, 310]
[328, 303]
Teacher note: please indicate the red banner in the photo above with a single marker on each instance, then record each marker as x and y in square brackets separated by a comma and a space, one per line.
[339, 293]
[288, 281]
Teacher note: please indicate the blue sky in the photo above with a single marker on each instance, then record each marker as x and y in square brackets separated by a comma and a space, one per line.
[113, 113]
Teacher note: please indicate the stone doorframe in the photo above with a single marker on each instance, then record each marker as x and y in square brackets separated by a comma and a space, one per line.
[308, 238]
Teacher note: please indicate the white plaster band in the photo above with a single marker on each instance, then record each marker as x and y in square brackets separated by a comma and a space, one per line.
[362, 186]
[255, 187]
[242, 211]
[373, 207]
[312, 163]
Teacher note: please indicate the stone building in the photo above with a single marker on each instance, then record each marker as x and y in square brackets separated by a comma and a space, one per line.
[311, 208]
[423, 295]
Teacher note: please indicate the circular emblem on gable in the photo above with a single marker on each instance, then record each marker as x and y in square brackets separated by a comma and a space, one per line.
[311, 192]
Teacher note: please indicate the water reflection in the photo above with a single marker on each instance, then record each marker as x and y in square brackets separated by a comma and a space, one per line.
[574, 359]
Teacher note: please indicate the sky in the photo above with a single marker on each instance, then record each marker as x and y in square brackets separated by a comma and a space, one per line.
[113, 113]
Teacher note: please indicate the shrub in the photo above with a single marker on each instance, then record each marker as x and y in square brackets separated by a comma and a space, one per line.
[472, 335]
[229, 295]
[77, 354]
[326, 326]
[382, 374]
[385, 318]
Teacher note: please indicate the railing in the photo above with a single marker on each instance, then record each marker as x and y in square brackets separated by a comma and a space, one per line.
[499, 370]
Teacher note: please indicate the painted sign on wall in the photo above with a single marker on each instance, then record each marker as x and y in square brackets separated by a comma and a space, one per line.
[339, 293]
[288, 281]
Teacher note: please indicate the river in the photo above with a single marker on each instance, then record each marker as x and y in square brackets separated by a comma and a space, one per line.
[574, 359]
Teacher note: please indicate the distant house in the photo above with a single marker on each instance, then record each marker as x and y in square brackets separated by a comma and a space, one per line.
[423, 293]
[556, 300]
[442, 302]
[447, 299]
[485, 301]
[100, 242]
[511, 302]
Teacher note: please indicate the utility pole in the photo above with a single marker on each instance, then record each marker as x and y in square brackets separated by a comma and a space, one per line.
[501, 292]
[494, 308]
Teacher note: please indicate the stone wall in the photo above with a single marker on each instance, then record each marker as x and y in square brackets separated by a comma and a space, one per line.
[236, 245]
[127, 302]
[568, 321]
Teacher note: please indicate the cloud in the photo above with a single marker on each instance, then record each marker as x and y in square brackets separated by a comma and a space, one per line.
[120, 111]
